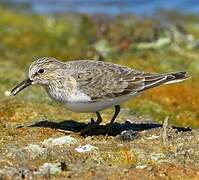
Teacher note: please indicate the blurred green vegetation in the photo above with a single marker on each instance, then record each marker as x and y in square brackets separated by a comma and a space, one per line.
[144, 44]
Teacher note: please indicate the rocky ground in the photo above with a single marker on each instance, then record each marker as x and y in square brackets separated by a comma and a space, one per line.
[132, 148]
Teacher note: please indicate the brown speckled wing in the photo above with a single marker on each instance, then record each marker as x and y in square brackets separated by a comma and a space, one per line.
[101, 80]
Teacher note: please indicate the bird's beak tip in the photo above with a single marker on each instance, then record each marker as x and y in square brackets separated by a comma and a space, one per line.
[25, 83]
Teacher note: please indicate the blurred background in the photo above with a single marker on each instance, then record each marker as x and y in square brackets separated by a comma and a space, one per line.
[155, 36]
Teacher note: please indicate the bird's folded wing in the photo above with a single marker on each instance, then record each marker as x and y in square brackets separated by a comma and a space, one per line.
[104, 81]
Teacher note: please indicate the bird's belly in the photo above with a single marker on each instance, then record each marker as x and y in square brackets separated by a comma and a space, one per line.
[96, 106]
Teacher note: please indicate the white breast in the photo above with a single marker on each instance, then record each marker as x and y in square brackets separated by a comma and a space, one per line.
[78, 96]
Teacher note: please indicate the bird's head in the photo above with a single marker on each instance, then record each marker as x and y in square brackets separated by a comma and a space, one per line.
[43, 71]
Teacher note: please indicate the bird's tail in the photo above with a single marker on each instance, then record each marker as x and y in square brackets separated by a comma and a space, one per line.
[176, 77]
[154, 80]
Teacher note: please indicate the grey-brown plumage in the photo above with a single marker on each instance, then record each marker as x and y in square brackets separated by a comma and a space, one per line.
[101, 80]
[91, 86]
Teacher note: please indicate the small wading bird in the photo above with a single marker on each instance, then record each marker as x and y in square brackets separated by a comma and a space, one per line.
[92, 86]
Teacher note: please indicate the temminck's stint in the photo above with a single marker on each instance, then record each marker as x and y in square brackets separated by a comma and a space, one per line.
[92, 86]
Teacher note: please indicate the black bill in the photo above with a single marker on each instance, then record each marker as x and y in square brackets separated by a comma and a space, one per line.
[20, 86]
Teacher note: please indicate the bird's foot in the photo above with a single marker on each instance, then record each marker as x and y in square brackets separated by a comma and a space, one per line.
[92, 125]
[92, 122]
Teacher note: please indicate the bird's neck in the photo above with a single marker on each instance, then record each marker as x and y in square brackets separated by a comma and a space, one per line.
[56, 91]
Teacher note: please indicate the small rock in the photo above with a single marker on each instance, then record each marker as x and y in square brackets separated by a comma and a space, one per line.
[52, 168]
[153, 137]
[64, 140]
[35, 150]
[127, 135]
[140, 166]
[85, 148]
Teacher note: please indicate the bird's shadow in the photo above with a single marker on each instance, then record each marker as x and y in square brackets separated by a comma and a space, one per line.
[108, 129]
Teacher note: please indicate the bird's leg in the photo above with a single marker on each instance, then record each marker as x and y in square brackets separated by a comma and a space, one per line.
[98, 121]
[99, 118]
[117, 110]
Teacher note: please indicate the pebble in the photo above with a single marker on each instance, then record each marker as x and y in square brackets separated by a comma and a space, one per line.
[35, 150]
[52, 168]
[63, 140]
[85, 148]
[127, 135]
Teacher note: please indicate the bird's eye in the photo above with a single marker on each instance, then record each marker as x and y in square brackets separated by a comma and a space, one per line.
[41, 71]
